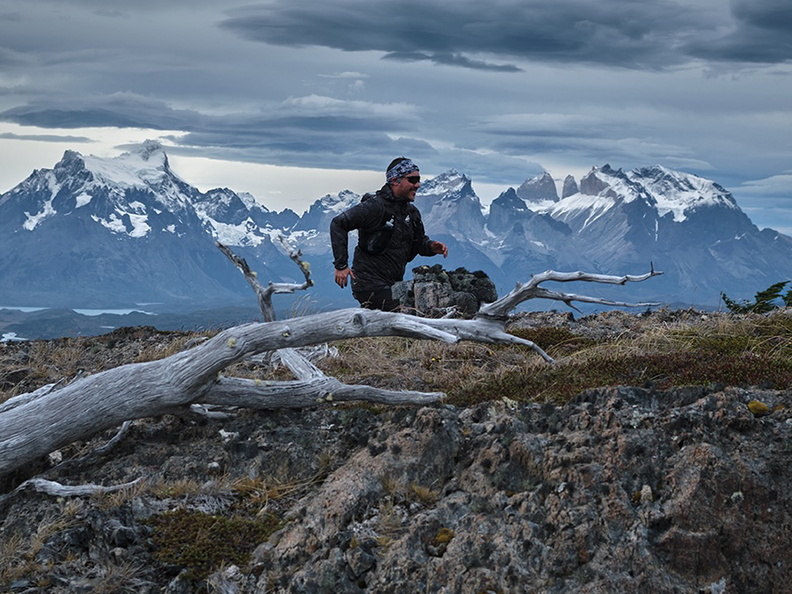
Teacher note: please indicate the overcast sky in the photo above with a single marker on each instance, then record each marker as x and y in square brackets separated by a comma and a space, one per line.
[294, 99]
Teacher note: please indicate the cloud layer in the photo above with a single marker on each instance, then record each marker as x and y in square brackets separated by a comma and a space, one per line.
[499, 90]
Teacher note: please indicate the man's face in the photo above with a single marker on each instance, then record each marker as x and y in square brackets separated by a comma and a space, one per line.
[404, 188]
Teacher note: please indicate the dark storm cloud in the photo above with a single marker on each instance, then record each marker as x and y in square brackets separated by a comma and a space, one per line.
[74, 118]
[451, 60]
[119, 110]
[318, 131]
[633, 34]
[46, 138]
[285, 149]
[762, 33]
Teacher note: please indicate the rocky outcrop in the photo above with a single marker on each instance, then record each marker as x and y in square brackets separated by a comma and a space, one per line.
[538, 189]
[570, 187]
[433, 291]
[622, 490]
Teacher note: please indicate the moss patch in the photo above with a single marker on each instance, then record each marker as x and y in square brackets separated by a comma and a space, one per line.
[202, 542]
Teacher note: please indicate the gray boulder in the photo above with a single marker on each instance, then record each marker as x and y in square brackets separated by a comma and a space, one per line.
[433, 290]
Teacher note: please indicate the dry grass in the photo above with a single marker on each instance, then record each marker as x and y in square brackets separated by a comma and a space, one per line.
[18, 556]
[712, 349]
[614, 348]
[13, 561]
[118, 578]
[115, 499]
[258, 492]
[390, 523]
[25, 366]
[397, 490]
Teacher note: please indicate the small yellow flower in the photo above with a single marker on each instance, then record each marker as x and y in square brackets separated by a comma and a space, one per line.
[758, 408]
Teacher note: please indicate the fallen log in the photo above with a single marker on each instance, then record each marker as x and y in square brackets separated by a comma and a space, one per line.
[35, 424]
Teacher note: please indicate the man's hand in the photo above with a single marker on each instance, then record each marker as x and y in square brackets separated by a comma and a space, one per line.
[342, 276]
[439, 248]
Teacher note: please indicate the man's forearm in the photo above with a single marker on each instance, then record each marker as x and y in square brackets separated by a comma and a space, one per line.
[339, 242]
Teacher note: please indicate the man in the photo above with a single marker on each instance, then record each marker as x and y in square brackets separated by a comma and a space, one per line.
[390, 234]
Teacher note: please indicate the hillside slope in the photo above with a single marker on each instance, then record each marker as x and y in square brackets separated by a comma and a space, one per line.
[620, 489]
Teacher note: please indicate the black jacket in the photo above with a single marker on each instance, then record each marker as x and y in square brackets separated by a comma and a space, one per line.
[380, 268]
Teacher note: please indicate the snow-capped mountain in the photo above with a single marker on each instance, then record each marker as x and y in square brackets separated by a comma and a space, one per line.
[95, 232]
[449, 206]
[689, 227]
[610, 222]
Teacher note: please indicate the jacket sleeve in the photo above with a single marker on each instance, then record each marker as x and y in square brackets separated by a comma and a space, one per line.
[361, 216]
[421, 242]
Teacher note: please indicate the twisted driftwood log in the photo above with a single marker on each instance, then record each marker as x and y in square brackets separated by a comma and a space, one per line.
[35, 424]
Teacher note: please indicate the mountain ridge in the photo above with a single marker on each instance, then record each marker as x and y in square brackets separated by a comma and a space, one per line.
[95, 232]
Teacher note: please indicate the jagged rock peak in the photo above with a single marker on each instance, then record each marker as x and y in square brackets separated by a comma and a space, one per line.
[451, 184]
[71, 167]
[537, 189]
[509, 199]
[591, 184]
[70, 160]
[570, 187]
[614, 184]
[153, 148]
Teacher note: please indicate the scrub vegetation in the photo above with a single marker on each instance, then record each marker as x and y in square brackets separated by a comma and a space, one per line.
[659, 349]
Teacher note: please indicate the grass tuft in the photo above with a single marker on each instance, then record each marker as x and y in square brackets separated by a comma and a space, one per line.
[202, 542]
[703, 349]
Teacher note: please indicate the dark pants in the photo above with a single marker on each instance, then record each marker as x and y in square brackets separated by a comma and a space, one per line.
[382, 299]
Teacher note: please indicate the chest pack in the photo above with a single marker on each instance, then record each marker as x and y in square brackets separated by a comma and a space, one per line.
[376, 240]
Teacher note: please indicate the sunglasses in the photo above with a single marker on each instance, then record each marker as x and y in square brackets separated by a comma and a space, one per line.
[413, 179]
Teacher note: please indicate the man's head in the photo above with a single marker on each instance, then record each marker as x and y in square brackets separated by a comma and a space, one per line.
[404, 178]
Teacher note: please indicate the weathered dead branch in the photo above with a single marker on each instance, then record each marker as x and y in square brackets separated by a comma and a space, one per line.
[264, 294]
[32, 425]
[58, 490]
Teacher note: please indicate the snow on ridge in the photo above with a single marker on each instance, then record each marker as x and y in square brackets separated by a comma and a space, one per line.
[611, 188]
[33, 220]
[666, 190]
[245, 233]
[338, 203]
[618, 185]
[221, 196]
[250, 202]
[83, 199]
[446, 183]
[47, 210]
[115, 223]
[129, 170]
[541, 205]
[594, 206]
[677, 192]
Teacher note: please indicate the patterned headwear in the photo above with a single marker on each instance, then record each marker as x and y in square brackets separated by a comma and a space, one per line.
[401, 169]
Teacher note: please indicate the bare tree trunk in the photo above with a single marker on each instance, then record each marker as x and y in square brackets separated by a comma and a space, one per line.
[34, 424]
